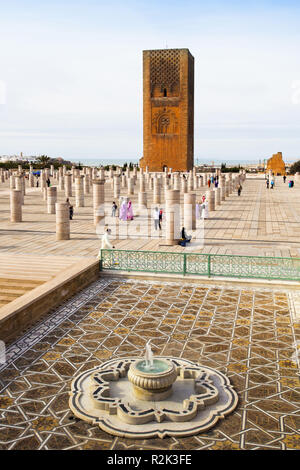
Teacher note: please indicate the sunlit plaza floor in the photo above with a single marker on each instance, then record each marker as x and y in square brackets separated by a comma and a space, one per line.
[250, 334]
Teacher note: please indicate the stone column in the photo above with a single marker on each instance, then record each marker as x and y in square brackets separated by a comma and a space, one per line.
[190, 184]
[51, 199]
[156, 191]
[172, 216]
[165, 181]
[62, 220]
[98, 199]
[12, 182]
[86, 183]
[31, 180]
[123, 181]
[19, 186]
[189, 211]
[183, 185]
[210, 197]
[222, 183]
[176, 182]
[151, 183]
[79, 196]
[218, 196]
[130, 186]
[16, 205]
[23, 183]
[68, 185]
[61, 179]
[142, 184]
[42, 180]
[142, 198]
[227, 188]
[117, 185]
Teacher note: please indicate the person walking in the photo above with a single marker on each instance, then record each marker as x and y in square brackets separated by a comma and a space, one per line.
[156, 218]
[105, 243]
[239, 189]
[267, 183]
[48, 182]
[272, 184]
[204, 206]
[114, 209]
[129, 211]
[284, 178]
[123, 210]
[160, 218]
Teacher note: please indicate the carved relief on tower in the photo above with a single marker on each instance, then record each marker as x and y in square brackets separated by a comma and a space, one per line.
[164, 121]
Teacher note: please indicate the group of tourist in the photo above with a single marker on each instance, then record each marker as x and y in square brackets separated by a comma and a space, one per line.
[270, 183]
[213, 180]
[126, 211]
[202, 208]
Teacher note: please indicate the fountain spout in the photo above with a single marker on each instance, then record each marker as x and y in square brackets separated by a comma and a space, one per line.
[149, 356]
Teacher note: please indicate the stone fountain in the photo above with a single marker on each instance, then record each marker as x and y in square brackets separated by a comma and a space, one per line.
[152, 396]
[152, 379]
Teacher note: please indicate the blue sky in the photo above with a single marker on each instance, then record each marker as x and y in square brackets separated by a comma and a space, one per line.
[71, 75]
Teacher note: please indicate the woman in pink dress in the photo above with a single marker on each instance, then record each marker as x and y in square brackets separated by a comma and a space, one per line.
[123, 210]
[129, 211]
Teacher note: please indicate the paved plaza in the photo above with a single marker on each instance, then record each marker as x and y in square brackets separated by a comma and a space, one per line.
[251, 335]
[259, 222]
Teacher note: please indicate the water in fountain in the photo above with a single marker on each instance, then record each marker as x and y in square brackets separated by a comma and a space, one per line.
[150, 364]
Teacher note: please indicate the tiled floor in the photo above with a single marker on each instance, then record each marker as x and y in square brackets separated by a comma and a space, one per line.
[249, 334]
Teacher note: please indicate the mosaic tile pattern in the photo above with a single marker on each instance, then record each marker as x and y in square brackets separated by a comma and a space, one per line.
[248, 334]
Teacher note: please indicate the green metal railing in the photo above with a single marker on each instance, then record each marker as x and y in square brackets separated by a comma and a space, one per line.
[258, 267]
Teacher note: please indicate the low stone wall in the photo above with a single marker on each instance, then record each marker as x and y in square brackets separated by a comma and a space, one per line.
[23, 312]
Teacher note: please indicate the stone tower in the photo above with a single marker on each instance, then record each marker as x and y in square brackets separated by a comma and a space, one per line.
[168, 107]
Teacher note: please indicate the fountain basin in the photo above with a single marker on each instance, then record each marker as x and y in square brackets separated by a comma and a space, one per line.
[152, 383]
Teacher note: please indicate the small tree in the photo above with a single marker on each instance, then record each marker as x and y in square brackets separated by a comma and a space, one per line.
[43, 160]
[295, 168]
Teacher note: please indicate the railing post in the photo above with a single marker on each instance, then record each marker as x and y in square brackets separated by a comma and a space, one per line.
[184, 264]
[100, 260]
[208, 265]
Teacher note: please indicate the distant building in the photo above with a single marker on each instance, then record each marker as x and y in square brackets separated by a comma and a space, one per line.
[276, 164]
